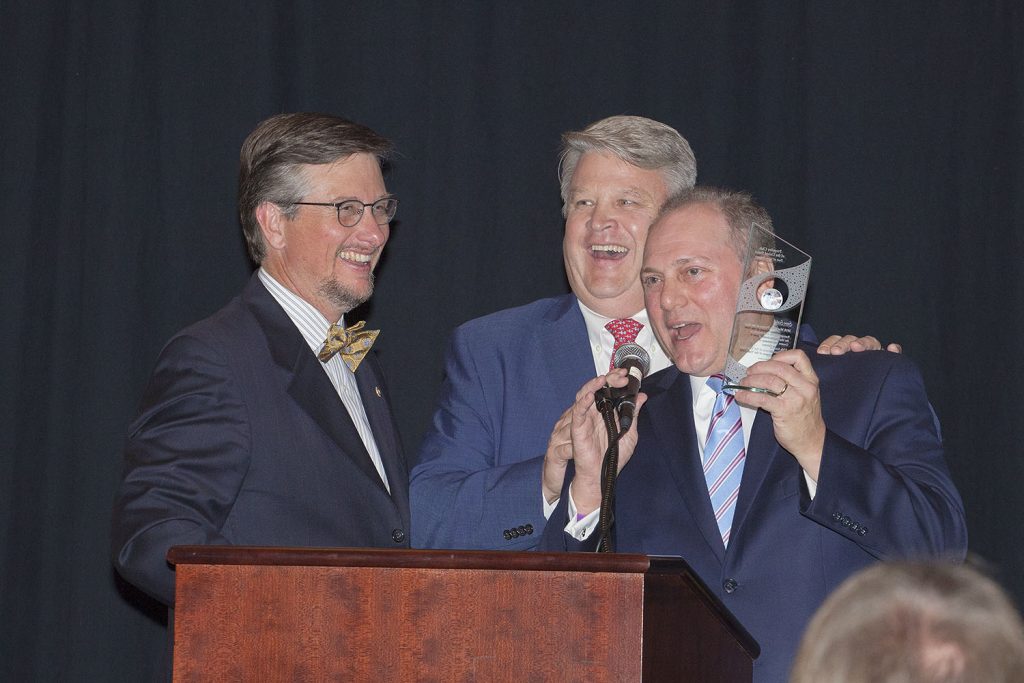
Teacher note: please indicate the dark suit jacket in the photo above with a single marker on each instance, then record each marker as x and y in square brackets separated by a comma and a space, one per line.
[883, 492]
[241, 439]
[508, 378]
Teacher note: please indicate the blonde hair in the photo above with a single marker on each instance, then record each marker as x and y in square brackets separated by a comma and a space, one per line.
[914, 622]
[639, 141]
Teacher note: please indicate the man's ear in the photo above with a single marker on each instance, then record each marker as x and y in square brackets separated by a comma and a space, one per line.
[272, 222]
[760, 266]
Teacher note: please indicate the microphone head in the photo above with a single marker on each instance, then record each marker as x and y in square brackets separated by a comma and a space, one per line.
[632, 355]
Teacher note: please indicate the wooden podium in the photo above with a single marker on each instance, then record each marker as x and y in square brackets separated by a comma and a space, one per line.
[307, 614]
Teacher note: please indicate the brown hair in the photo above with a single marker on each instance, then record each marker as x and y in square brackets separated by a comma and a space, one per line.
[271, 157]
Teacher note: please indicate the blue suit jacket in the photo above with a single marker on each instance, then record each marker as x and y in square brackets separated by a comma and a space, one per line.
[242, 439]
[883, 492]
[509, 376]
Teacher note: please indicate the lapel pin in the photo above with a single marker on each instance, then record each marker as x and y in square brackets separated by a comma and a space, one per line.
[376, 390]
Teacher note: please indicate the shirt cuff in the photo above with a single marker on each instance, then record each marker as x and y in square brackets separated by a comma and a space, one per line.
[581, 527]
[548, 507]
[812, 486]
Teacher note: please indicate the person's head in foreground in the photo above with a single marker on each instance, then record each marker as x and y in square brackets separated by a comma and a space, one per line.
[913, 622]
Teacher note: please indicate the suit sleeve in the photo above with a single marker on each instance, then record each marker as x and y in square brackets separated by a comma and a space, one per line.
[186, 457]
[894, 495]
[461, 495]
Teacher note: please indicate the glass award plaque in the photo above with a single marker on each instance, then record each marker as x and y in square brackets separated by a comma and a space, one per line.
[769, 305]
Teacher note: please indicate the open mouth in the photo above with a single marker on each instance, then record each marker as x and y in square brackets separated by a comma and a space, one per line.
[609, 251]
[355, 257]
[684, 331]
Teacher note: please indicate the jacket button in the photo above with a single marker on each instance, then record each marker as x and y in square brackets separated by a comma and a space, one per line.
[730, 585]
[507, 534]
[397, 535]
[529, 528]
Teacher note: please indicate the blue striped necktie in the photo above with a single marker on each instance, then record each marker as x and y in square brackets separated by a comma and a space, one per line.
[723, 456]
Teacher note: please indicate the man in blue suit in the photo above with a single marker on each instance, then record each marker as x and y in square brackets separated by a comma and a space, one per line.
[492, 463]
[836, 464]
[268, 423]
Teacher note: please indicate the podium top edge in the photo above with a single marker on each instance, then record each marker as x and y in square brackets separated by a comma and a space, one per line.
[423, 559]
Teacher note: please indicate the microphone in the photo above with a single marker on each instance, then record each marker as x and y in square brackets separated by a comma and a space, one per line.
[637, 362]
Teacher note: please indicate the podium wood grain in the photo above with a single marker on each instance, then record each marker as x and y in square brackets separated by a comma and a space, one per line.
[287, 614]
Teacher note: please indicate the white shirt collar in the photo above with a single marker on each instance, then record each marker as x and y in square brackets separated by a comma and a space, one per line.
[602, 342]
[310, 322]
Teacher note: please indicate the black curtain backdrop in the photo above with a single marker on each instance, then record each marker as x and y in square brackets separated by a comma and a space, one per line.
[887, 139]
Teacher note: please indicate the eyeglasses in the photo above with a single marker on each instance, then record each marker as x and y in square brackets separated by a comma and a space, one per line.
[350, 211]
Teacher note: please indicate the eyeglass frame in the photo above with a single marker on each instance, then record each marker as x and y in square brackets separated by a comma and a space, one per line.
[362, 209]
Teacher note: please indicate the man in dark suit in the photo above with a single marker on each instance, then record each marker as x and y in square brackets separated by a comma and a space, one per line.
[492, 463]
[837, 464]
[268, 423]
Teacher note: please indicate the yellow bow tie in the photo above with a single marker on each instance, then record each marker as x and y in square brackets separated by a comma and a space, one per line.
[352, 343]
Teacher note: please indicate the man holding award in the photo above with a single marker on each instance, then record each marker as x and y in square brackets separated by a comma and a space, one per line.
[777, 489]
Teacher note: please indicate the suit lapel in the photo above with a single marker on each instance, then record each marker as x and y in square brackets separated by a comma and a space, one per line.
[307, 383]
[670, 421]
[378, 411]
[568, 363]
[761, 452]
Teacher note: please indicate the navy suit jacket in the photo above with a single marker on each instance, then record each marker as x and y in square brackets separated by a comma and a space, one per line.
[242, 439]
[509, 377]
[884, 491]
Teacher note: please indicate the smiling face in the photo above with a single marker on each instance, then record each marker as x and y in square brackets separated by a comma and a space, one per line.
[609, 207]
[312, 254]
[691, 277]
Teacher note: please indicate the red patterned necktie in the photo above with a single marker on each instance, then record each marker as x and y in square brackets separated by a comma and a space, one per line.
[624, 330]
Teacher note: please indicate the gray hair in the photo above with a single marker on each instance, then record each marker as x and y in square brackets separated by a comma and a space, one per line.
[913, 622]
[272, 156]
[636, 140]
[739, 209]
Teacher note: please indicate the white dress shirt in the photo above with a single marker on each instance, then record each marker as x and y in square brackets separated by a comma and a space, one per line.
[703, 405]
[314, 327]
[601, 344]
